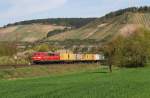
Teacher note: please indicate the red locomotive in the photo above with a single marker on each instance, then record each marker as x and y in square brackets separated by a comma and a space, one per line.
[45, 57]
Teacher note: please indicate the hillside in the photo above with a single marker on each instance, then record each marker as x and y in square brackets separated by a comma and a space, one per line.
[104, 29]
[34, 30]
[27, 33]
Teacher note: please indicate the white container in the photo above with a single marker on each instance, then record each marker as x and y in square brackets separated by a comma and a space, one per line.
[97, 57]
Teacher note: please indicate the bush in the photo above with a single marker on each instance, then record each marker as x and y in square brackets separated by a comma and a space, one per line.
[132, 51]
[42, 48]
[55, 32]
[7, 49]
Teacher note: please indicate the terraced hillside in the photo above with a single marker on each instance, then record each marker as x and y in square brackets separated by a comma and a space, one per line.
[106, 29]
[28, 33]
[33, 30]
[102, 29]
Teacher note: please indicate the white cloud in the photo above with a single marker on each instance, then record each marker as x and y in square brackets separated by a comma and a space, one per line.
[20, 8]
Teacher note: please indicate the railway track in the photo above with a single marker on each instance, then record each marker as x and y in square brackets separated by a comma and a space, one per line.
[44, 64]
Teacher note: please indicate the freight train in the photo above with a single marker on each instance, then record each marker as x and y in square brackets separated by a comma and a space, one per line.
[45, 57]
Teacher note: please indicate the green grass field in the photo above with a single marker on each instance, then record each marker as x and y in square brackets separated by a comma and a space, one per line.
[98, 83]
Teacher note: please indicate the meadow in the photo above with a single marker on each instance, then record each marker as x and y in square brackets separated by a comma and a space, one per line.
[95, 83]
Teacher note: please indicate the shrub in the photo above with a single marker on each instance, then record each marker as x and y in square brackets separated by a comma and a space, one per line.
[42, 48]
[131, 51]
[7, 49]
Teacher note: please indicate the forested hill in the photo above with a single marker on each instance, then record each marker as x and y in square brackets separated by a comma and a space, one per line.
[69, 22]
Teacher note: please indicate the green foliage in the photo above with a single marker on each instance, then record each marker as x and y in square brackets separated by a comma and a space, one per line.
[55, 32]
[124, 83]
[45, 48]
[11, 55]
[132, 51]
[7, 49]
[41, 48]
[6, 60]
[26, 71]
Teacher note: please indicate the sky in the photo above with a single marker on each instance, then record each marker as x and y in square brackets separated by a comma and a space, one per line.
[18, 10]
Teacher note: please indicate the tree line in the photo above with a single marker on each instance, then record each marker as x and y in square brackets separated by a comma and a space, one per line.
[131, 9]
[69, 22]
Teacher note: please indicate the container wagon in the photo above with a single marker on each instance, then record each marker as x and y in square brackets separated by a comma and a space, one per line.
[45, 57]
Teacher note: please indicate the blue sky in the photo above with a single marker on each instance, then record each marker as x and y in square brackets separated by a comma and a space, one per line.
[18, 10]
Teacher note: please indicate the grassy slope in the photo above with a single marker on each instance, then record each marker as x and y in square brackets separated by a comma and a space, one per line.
[122, 83]
[10, 72]
[26, 32]
[106, 30]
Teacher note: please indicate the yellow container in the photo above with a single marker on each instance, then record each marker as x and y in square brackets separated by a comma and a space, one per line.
[72, 56]
[91, 57]
[88, 57]
[63, 56]
[67, 56]
[79, 57]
